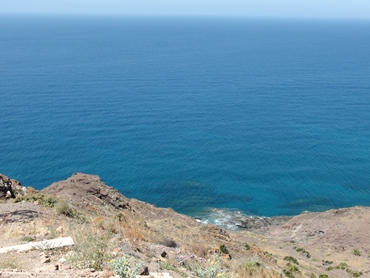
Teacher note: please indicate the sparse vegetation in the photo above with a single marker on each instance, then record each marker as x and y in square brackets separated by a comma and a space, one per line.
[303, 252]
[290, 270]
[9, 262]
[224, 249]
[27, 239]
[92, 247]
[351, 273]
[291, 259]
[123, 268]
[356, 252]
[325, 262]
[42, 199]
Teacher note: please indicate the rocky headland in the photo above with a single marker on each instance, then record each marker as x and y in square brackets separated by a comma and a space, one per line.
[110, 230]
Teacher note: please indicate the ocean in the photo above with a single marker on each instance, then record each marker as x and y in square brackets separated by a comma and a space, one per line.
[259, 116]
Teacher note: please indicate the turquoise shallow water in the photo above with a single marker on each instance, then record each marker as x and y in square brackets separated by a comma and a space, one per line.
[269, 117]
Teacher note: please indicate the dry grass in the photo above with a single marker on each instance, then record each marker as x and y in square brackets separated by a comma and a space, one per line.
[8, 261]
[134, 228]
[253, 268]
[93, 245]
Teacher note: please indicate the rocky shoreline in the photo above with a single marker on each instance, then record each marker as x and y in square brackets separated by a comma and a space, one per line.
[333, 243]
[226, 219]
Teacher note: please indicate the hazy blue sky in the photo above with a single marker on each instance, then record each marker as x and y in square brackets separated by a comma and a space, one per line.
[281, 8]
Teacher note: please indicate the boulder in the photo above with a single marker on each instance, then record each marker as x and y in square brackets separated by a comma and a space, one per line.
[10, 188]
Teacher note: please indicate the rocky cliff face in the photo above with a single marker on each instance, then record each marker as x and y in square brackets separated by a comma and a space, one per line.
[85, 189]
[10, 188]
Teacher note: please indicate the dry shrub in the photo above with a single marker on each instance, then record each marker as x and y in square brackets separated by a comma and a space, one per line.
[92, 248]
[134, 228]
[253, 268]
[33, 228]
[201, 250]
[134, 231]
[31, 190]
[9, 261]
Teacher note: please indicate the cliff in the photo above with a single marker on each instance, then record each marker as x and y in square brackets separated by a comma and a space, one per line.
[108, 227]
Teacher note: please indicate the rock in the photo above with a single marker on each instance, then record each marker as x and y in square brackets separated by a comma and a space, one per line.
[259, 222]
[5, 188]
[62, 260]
[45, 259]
[86, 188]
[153, 267]
[10, 188]
[8, 194]
[144, 270]
[161, 259]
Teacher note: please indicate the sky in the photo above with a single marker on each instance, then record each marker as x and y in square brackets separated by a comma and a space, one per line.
[357, 9]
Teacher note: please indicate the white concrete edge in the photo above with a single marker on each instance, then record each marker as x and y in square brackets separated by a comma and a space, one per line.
[45, 244]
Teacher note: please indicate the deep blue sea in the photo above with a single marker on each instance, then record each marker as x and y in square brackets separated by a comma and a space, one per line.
[264, 116]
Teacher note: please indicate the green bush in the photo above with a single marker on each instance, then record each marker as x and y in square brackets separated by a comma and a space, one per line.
[290, 270]
[356, 252]
[224, 249]
[43, 199]
[291, 259]
[123, 268]
[303, 252]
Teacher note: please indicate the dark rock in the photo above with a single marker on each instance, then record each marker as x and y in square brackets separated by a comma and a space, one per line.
[144, 270]
[259, 222]
[10, 188]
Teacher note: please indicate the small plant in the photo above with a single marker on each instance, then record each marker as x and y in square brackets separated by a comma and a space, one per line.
[329, 268]
[342, 266]
[119, 216]
[303, 252]
[291, 259]
[224, 249]
[27, 239]
[63, 208]
[252, 267]
[323, 276]
[209, 271]
[247, 247]
[290, 270]
[324, 262]
[356, 252]
[122, 267]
